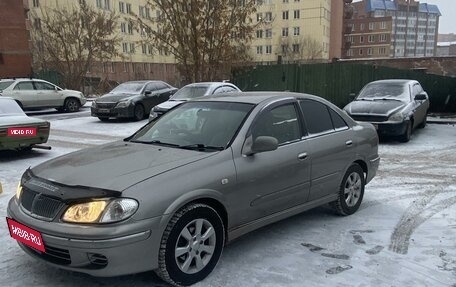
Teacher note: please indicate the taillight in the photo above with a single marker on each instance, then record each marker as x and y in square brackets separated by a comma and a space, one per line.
[44, 128]
[3, 132]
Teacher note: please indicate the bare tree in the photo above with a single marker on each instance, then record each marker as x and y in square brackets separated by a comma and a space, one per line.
[204, 36]
[301, 49]
[71, 40]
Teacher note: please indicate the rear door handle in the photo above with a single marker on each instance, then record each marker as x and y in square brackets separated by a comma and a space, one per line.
[349, 142]
[302, 156]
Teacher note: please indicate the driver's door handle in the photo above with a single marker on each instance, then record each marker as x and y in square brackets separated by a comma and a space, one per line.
[302, 156]
[349, 142]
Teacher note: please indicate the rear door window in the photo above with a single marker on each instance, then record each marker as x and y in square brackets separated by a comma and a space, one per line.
[317, 117]
[24, 86]
[43, 86]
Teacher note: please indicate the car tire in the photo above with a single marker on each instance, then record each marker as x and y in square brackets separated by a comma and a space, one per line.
[407, 134]
[199, 250]
[351, 191]
[138, 113]
[72, 105]
[424, 122]
[103, 119]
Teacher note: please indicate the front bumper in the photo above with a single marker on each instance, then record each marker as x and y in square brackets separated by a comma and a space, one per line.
[108, 250]
[391, 129]
[126, 112]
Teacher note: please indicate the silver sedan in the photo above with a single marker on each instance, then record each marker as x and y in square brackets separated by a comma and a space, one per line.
[169, 197]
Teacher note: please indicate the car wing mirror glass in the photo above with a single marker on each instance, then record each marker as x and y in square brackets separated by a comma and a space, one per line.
[148, 93]
[420, 97]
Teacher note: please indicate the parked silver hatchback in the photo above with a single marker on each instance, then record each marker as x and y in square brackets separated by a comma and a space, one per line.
[169, 197]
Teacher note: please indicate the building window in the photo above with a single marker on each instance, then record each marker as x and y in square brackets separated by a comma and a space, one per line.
[371, 26]
[130, 28]
[284, 49]
[296, 14]
[150, 49]
[382, 25]
[37, 24]
[144, 48]
[350, 53]
[296, 31]
[99, 5]
[371, 38]
[132, 48]
[125, 47]
[361, 39]
[259, 33]
[259, 50]
[268, 16]
[351, 39]
[360, 52]
[123, 28]
[362, 27]
[369, 51]
[121, 7]
[285, 1]
[285, 32]
[259, 17]
[36, 3]
[285, 15]
[141, 11]
[107, 4]
[295, 48]
[128, 8]
[268, 49]
[268, 33]
[126, 67]
[382, 51]
[383, 38]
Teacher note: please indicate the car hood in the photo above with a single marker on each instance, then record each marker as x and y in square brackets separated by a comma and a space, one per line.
[169, 105]
[379, 107]
[115, 97]
[19, 120]
[115, 166]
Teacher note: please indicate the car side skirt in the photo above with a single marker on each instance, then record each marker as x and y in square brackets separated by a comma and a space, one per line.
[248, 227]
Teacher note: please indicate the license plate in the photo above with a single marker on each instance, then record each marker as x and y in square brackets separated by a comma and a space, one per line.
[26, 235]
[21, 132]
[104, 111]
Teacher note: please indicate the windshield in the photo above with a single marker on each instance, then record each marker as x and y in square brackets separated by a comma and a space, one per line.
[5, 84]
[129, 87]
[385, 91]
[204, 126]
[9, 107]
[190, 92]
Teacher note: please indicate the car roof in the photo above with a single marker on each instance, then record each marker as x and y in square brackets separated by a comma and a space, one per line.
[393, 81]
[255, 97]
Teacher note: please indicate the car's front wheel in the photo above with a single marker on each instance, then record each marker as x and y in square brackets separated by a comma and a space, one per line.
[72, 105]
[351, 191]
[191, 245]
[408, 132]
[139, 112]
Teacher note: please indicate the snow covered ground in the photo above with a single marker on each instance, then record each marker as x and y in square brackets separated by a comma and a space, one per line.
[403, 235]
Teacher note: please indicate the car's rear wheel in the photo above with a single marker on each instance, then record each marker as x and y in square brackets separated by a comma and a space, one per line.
[191, 245]
[72, 105]
[139, 112]
[351, 191]
[407, 134]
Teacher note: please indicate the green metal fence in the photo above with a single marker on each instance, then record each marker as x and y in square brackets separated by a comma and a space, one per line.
[336, 81]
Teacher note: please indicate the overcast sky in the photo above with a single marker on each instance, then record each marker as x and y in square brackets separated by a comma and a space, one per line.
[448, 19]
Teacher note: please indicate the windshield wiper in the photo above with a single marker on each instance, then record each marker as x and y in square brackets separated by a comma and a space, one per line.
[156, 142]
[386, 99]
[201, 147]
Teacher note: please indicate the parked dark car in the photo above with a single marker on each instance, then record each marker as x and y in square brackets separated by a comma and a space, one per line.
[19, 131]
[172, 195]
[190, 92]
[394, 107]
[132, 100]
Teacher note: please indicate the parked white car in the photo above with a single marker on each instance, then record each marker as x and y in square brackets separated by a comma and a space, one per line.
[37, 94]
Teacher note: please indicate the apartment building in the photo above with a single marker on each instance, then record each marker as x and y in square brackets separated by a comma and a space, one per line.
[15, 55]
[292, 31]
[391, 28]
[288, 31]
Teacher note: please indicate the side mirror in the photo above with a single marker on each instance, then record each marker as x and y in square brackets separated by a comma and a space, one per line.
[148, 93]
[420, 97]
[260, 144]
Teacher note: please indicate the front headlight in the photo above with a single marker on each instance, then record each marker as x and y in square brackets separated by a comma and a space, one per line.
[123, 104]
[18, 191]
[398, 117]
[101, 211]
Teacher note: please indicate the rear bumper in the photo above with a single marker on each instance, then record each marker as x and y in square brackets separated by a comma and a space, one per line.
[127, 112]
[373, 168]
[8, 143]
